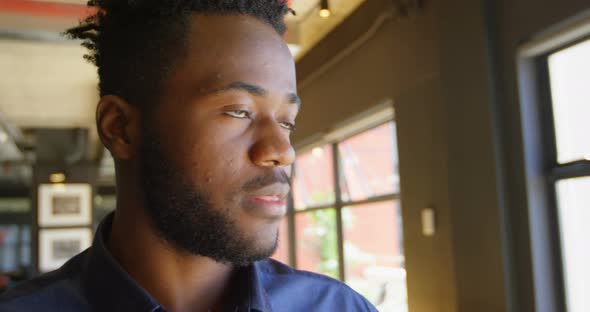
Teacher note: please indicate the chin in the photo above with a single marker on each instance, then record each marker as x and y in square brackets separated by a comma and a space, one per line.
[264, 242]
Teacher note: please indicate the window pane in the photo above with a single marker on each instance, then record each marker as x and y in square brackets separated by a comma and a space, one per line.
[282, 252]
[369, 164]
[314, 178]
[570, 74]
[574, 213]
[373, 254]
[317, 246]
[15, 254]
[9, 251]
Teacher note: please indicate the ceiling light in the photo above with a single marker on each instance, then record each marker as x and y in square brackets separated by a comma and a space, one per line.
[57, 177]
[325, 13]
[294, 48]
[325, 9]
[317, 152]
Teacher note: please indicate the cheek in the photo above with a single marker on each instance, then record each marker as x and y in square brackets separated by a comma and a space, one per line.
[214, 153]
[224, 180]
[217, 166]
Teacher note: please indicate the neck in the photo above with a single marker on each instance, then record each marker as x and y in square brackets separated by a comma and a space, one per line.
[179, 281]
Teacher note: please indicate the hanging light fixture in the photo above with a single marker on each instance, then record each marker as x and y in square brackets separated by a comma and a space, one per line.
[325, 9]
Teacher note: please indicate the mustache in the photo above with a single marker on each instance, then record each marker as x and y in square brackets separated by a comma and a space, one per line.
[259, 182]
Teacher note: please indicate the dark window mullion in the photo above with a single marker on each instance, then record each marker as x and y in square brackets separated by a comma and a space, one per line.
[338, 206]
[380, 198]
[555, 243]
[371, 200]
[549, 149]
[291, 231]
[314, 208]
[570, 170]
[546, 113]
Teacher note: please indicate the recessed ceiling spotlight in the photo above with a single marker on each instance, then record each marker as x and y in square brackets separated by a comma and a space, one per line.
[325, 9]
[317, 152]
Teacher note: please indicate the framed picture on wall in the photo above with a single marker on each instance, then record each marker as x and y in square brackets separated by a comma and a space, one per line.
[56, 246]
[64, 205]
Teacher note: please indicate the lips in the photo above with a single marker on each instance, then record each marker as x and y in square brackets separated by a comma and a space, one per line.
[273, 193]
[269, 202]
[270, 199]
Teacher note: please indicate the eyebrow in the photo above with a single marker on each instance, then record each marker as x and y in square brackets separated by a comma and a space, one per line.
[255, 90]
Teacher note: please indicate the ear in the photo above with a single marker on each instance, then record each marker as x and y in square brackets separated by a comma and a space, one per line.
[118, 125]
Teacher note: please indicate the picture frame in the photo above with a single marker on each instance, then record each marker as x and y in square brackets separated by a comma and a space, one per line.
[57, 246]
[64, 205]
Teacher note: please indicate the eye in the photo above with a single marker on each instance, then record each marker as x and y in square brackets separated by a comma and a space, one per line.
[241, 114]
[289, 126]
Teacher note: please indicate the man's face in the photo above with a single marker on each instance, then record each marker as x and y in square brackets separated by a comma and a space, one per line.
[216, 151]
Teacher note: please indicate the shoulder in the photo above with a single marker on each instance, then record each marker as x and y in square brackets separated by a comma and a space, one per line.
[46, 292]
[285, 284]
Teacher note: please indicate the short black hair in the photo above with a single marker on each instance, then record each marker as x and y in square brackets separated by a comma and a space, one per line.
[135, 43]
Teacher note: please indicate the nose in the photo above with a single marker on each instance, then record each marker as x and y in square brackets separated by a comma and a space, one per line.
[272, 147]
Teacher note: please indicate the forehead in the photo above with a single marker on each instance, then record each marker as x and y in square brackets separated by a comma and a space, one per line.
[222, 49]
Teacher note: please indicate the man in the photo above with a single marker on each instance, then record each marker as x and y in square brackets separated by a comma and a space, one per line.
[198, 100]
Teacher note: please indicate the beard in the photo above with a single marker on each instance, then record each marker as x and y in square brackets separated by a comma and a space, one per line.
[184, 217]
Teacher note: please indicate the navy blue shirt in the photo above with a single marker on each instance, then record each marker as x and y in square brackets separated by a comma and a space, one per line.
[94, 281]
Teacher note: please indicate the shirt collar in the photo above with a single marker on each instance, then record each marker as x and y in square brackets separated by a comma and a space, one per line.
[110, 288]
[259, 296]
[252, 279]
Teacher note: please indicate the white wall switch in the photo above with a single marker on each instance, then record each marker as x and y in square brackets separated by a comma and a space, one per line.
[428, 222]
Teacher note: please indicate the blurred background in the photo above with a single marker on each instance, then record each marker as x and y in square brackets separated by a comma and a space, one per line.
[443, 149]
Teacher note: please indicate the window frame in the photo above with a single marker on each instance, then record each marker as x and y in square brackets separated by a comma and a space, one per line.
[542, 169]
[338, 205]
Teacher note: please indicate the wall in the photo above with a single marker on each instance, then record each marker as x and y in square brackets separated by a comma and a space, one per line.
[513, 23]
[475, 185]
[451, 73]
[50, 78]
[399, 61]
[82, 172]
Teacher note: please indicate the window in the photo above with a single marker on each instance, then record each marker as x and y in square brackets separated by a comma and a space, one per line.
[314, 184]
[346, 220]
[554, 71]
[569, 75]
[15, 247]
[15, 241]
[15, 254]
[282, 251]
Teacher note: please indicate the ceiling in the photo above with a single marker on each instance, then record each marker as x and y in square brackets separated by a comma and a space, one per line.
[27, 18]
[49, 84]
[46, 84]
[307, 28]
